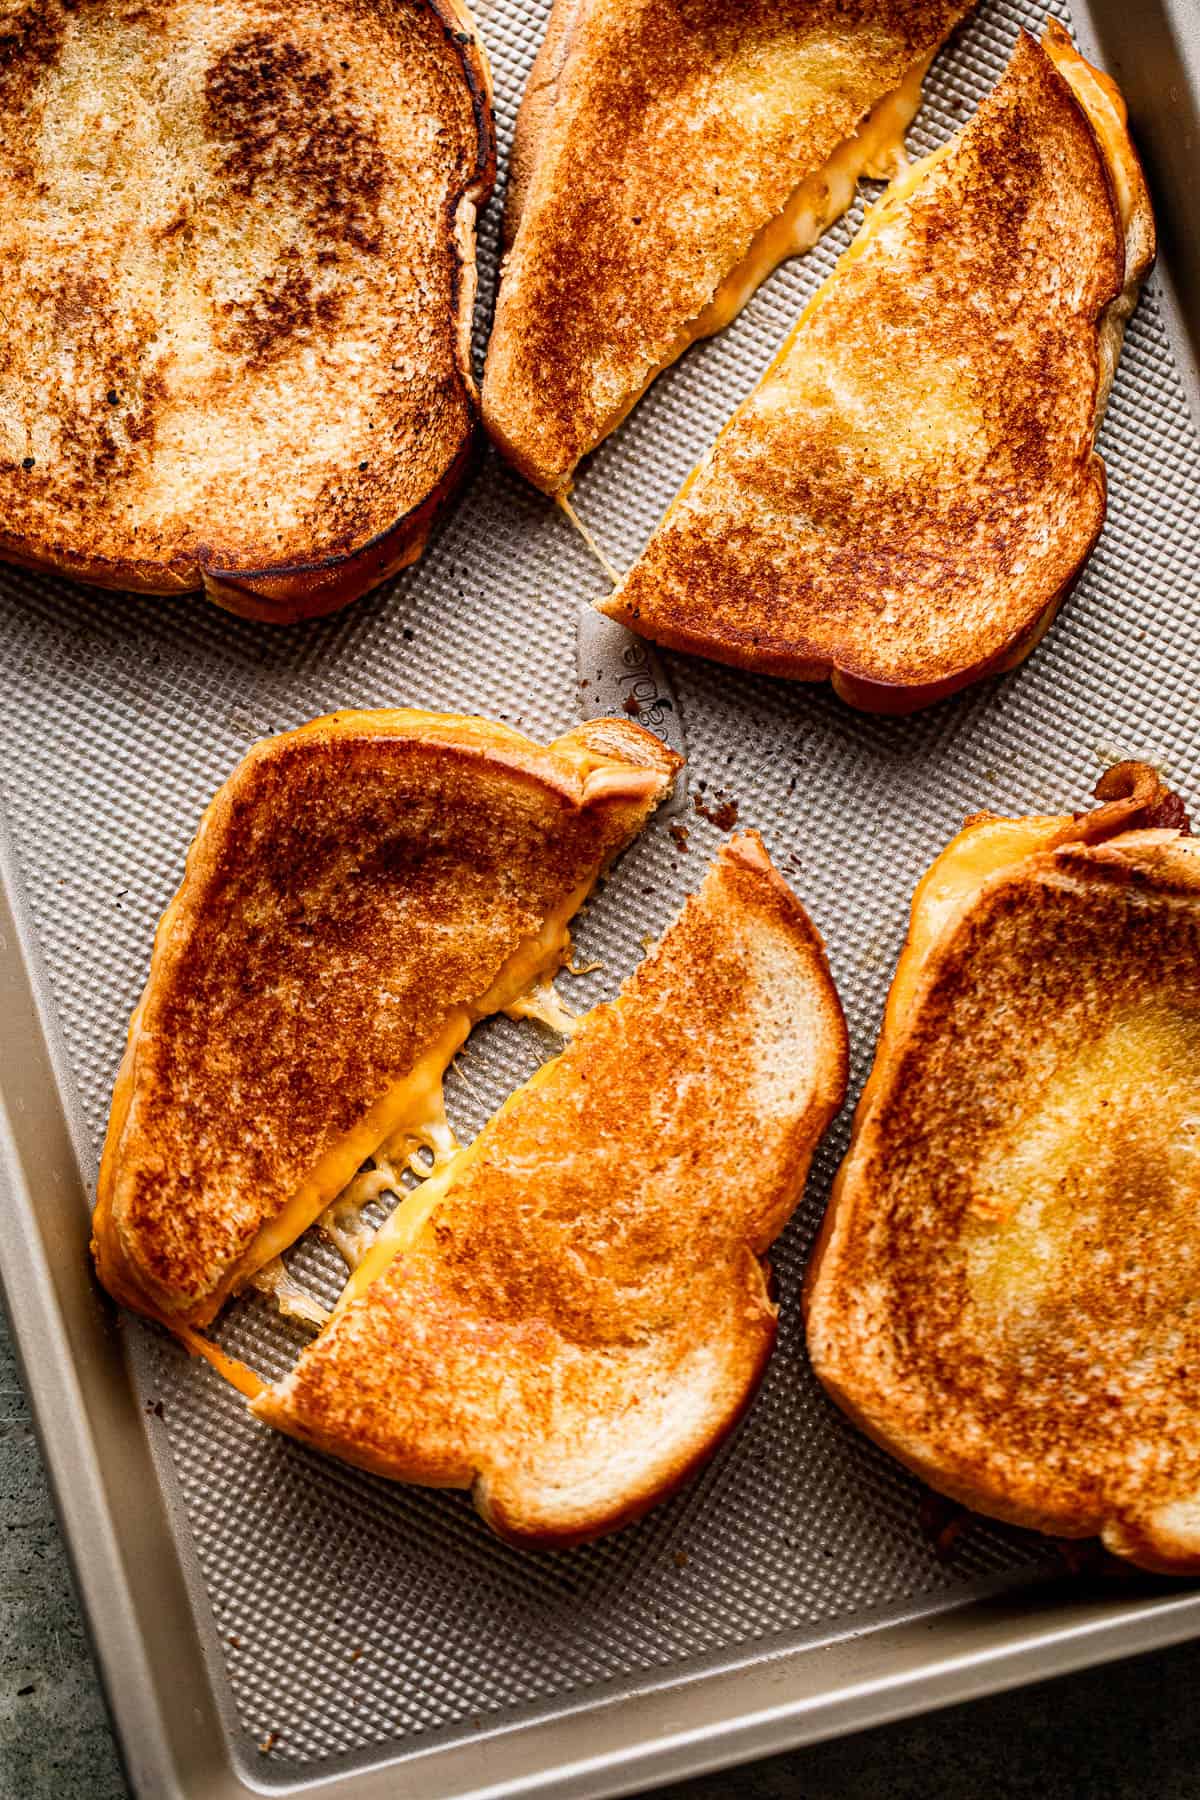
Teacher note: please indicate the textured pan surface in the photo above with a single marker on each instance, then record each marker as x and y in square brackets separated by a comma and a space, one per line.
[346, 1616]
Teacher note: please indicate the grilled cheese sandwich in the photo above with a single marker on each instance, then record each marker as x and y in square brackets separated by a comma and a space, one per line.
[240, 245]
[902, 503]
[1003, 1290]
[359, 894]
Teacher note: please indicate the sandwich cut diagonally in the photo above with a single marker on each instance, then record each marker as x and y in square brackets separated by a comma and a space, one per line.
[358, 894]
[906, 497]
[238, 245]
[1006, 1291]
[573, 1314]
[668, 155]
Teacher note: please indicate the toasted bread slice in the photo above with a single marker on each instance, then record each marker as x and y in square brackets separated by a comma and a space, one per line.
[359, 893]
[239, 245]
[571, 1318]
[904, 500]
[666, 159]
[1005, 1293]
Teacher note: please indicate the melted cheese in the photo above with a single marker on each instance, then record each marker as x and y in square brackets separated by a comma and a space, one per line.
[431, 1132]
[876, 151]
[368, 1185]
[236, 1373]
[589, 537]
[342, 1221]
[294, 1301]
[344, 1226]
[405, 1227]
[543, 954]
[544, 1004]
[874, 220]
[401, 1230]
[1109, 1147]
[413, 1112]
[412, 1106]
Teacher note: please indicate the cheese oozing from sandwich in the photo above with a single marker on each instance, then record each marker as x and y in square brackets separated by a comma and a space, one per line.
[412, 1113]
[1102, 103]
[875, 151]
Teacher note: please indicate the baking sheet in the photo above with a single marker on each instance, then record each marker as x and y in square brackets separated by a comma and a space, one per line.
[345, 1621]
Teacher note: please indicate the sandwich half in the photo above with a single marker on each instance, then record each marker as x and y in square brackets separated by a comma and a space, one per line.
[573, 1314]
[1006, 1291]
[358, 894]
[668, 155]
[239, 253]
[905, 499]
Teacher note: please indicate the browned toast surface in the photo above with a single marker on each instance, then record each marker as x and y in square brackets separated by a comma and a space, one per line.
[1005, 1294]
[656, 140]
[238, 245]
[351, 890]
[907, 495]
[586, 1314]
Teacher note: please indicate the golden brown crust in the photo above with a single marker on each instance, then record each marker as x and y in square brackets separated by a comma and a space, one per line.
[905, 500]
[655, 141]
[587, 1314]
[1003, 1294]
[230, 387]
[350, 886]
[536, 110]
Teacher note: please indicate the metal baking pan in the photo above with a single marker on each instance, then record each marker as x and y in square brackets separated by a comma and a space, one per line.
[267, 1621]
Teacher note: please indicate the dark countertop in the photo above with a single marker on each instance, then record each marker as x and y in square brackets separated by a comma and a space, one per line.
[1127, 1732]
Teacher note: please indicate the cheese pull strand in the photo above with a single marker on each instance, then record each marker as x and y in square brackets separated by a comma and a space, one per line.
[238, 1374]
[293, 1300]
